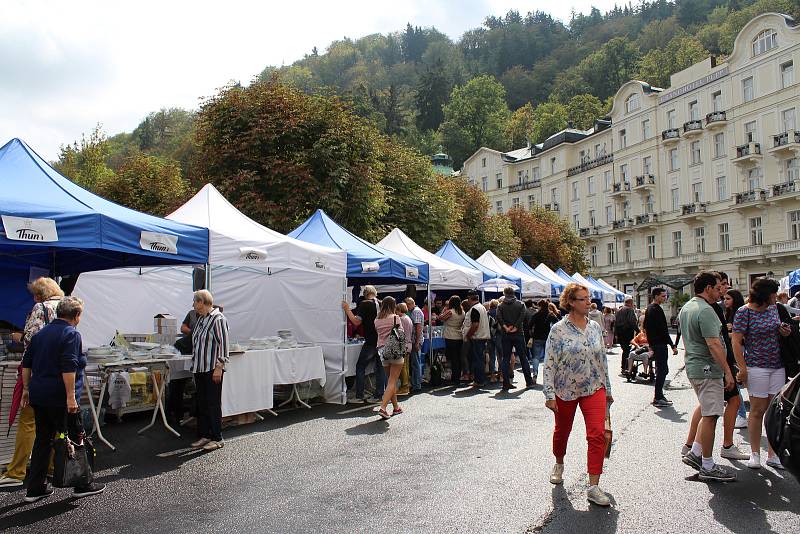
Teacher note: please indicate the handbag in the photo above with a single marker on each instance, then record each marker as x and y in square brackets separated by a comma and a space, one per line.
[394, 349]
[782, 423]
[72, 462]
[789, 345]
[608, 435]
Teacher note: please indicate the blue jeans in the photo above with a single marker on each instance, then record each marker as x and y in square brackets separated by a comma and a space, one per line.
[538, 354]
[416, 369]
[742, 412]
[478, 360]
[517, 343]
[495, 353]
[369, 354]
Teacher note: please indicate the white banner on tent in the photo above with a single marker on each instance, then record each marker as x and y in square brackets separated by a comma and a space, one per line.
[370, 267]
[159, 242]
[27, 229]
[412, 272]
[252, 254]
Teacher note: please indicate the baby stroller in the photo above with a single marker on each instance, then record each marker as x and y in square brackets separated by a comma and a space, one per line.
[640, 364]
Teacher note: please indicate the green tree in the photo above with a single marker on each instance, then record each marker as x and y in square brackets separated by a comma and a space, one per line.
[475, 116]
[520, 126]
[146, 183]
[85, 163]
[548, 239]
[682, 52]
[583, 110]
[432, 93]
[548, 118]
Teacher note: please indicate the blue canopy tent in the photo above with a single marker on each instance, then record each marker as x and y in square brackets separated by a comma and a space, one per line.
[619, 296]
[451, 252]
[596, 294]
[366, 263]
[556, 286]
[51, 226]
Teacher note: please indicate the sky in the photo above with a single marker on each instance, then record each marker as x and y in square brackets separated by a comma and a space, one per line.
[67, 66]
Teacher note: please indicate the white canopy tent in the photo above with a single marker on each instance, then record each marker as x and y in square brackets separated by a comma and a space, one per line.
[609, 297]
[264, 280]
[531, 287]
[443, 274]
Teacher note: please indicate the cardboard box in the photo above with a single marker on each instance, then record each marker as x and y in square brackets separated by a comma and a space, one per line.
[164, 323]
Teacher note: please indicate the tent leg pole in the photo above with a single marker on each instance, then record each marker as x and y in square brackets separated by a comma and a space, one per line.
[430, 327]
[344, 345]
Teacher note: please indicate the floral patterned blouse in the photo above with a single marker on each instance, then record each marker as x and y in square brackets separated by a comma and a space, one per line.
[575, 361]
[37, 318]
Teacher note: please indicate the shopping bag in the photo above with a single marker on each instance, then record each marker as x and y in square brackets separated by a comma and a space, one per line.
[71, 463]
[608, 435]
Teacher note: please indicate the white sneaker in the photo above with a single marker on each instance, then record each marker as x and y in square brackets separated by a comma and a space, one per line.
[685, 450]
[595, 495]
[733, 453]
[8, 482]
[741, 422]
[754, 462]
[775, 463]
[557, 475]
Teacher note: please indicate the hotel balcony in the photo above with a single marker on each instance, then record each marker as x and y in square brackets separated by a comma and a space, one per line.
[644, 183]
[619, 189]
[695, 259]
[716, 119]
[620, 267]
[647, 218]
[755, 198]
[752, 252]
[646, 265]
[553, 206]
[786, 247]
[673, 135]
[622, 225]
[590, 164]
[693, 128]
[786, 145]
[524, 186]
[787, 191]
[584, 232]
[748, 155]
[696, 210]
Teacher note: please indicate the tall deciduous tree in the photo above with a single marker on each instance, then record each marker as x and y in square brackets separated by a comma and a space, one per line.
[682, 52]
[548, 239]
[520, 126]
[85, 163]
[475, 116]
[548, 118]
[583, 110]
[433, 91]
[146, 183]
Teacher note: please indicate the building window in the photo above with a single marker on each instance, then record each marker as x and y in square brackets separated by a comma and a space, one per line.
[719, 145]
[695, 152]
[611, 253]
[747, 89]
[520, 177]
[697, 192]
[632, 103]
[722, 188]
[676, 199]
[515, 203]
[590, 185]
[531, 202]
[694, 111]
[724, 237]
[716, 101]
[754, 178]
[649, 204]
[623, 139]
[483, 162]
[592, 220]
[485, 184]
[623, 170]
[626, 250]
[651, 247]
[755, 231]
[787, 119]
[498, 206]
[794, 225]
[765, 41]
[646, 133]
[626, 209]
[552, 165]
[575, 191]
[673, 159]
[677, 249]
[647, 165]
[793, 170]
[609, 214]
[787, 74]
[499, 178]
[672, 119]
[700, 239]
[593, 256]
[607, 181]
[554, 195]
[750, 132]
[536, 174]
[576, 222]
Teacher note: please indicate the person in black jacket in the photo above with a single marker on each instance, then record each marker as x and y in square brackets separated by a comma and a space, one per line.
[625, 327]
[511, 318]
[655, 326]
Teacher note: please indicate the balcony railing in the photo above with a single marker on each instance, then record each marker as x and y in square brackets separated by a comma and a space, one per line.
[553, 206]
[749, 149]
[621, 187]
[716, 116]
[590, 164]
[621, 223]
[786, 246]
[693, 258]
[646, 179]
[524, 185]
[672, 133]
[754, 195]
[649, 263]
[692, 126]
[694, 209]
[784, 189]
[786, 138]
[583, 232]
[752, 250]
[647, 218]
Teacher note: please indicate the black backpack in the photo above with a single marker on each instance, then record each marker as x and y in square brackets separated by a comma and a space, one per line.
[782, 422]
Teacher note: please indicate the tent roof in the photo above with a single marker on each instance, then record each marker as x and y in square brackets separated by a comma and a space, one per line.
[606, 295]
[444, 274]
[237, 240]
[675, 281]
[366, 263]
[84, 232]
[531, 286]
[556, 286]
[452, 253]
[620, 296]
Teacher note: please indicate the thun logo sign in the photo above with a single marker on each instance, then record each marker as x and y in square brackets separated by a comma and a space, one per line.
[28, 229]
[155, 242]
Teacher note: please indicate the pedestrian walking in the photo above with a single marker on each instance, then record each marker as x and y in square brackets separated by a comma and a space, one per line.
[731, 302]
[392, 363]
[608, 328]
[755, 336]
[364, 316]
[576, 374]
[405, 372]
[540, 325]
[707, 371]
[655, 326]
[417, 319]
[511, 318]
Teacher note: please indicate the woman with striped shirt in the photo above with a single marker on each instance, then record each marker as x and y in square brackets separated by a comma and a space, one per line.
[210, 344]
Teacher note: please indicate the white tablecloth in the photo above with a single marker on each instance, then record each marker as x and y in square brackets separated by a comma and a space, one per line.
[248, 382]
[353, 350]
[301, 364]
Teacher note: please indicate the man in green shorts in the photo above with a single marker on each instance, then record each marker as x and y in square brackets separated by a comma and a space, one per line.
[707, 370]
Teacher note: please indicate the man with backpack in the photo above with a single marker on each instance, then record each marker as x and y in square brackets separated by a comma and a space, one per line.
[625, 327]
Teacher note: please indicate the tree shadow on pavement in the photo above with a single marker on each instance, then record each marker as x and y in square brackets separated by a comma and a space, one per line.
[565, 518]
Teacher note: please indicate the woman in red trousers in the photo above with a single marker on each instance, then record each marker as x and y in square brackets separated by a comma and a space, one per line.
[576, 374]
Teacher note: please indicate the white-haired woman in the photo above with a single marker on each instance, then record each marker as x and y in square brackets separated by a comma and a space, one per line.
[210, 346]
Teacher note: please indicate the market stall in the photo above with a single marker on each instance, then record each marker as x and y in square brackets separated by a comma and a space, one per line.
[556, 285]
[453, 254]
[530, 286]
[606, 295]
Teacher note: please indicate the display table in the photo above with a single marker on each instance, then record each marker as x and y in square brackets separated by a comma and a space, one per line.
[353, 350]
[438, 344]
[294, 366]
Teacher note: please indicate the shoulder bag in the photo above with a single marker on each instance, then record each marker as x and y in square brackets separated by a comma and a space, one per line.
[394, 349]
[72, 462]
[782, 424]
[790, 345]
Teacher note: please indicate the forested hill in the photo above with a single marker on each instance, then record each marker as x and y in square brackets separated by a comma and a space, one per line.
[404, 81]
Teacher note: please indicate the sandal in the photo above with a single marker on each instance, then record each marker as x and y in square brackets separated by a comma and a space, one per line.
[397, 411]
[384, 414]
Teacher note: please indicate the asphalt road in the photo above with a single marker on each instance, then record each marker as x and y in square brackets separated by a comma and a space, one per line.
[456, 461]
